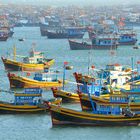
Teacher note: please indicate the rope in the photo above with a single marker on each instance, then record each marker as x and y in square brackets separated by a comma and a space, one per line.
[74, 82]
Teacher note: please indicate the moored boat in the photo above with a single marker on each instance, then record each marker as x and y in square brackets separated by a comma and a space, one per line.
[66, 32]
[66, 96]
[35, 62]
[28, 102]
[3, 36]
[42, 80]
[104, 116]
[113, 99]
[127, 39]
[77, 45]
[101, 42]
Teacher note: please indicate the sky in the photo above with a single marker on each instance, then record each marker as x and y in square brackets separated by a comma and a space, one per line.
[76, 2]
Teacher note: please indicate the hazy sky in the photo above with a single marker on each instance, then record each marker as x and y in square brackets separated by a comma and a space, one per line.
[76, 2]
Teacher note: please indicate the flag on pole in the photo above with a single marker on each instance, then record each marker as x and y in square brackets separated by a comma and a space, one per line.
[65, 63]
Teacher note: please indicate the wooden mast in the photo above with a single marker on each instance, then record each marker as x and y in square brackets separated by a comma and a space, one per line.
[14, 52]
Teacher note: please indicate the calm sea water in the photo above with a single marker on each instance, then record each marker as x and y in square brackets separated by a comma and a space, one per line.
[35, 127]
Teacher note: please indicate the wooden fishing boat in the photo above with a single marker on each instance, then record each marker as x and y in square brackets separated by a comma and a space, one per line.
[112, 99]
[3, 36]
[98, 93]
[35, 62]
[41, 80]
[101, 43]
[80, 45]
[125, 36]
[114, 117]
[28, 102]
[114, 75]
[65, 95]
[64, 32]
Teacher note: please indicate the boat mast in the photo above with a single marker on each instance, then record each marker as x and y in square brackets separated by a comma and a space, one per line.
[14, 52]
[89, 59]
[88, 62]
[132, 63]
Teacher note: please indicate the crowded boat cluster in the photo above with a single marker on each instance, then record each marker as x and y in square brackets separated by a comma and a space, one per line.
[108, 97]
[92, 27]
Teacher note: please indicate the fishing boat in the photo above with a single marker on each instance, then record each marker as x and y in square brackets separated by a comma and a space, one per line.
[102, 116]
[100, 42]
[7, 30]
[3, 36]
[113, 99]
[35, 62]
[109, 84]
[79, 45]
[28, 102]
[125, 35]
[114, 75]
[127, 39]
[40, 79]
[66, 32]
[67, 97]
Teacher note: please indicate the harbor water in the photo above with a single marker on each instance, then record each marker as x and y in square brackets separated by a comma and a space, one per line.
[39, 126]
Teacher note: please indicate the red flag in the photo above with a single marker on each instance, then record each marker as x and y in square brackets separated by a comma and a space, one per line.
[65, 63]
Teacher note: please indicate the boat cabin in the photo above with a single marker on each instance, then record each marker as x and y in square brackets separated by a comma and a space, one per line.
[127, 38]
[119, 99]
[114, 67]
[105, 40]
[34, 58]
[95, 88]
[46, 76]
[108, 109]
[31, 96]
[115, 75]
